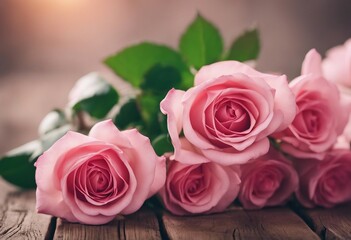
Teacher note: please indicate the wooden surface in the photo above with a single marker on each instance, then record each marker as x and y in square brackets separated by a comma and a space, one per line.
[18, 220]
[273, 223]
[332, 223]
[140, 225]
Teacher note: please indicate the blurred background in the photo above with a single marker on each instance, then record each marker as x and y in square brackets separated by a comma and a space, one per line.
[46, 45]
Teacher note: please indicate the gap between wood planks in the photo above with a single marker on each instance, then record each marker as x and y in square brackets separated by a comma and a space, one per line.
[334, 223]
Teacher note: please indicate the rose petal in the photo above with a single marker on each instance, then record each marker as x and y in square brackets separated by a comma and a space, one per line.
[233, 173]
[48, 185]
[258, 148]
[108, 132]
[312, 63]
[267, 181]
[112, 205]
[226, 68]
[284, 103]
[188, 154]
[337, 65]
[218, 187]
[172, 106]
[143, 160]
[314, 175]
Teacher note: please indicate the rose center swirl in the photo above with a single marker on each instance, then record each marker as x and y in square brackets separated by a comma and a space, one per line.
[232, 116]
[312, 121]
[267, 182]
[94, 181]
[98, 180]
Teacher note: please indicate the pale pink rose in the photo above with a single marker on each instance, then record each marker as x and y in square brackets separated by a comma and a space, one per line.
[344, 140]
[321, 116]
[325, 183]
[337, 69]
[91, 179]
[337, 65]
[269, 180]
[202, 187]
[229, 112]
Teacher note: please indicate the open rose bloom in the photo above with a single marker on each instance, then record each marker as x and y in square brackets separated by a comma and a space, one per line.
[200, 187]
[269, 180]
[321, 114]
[337, 65]
[229, 113]
[91, 179]
[337, 69]
[325, 183]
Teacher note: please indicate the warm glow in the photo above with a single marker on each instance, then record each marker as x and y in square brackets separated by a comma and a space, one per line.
[67, 3]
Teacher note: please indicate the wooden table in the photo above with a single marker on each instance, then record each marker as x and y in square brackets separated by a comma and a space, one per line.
[18, 220]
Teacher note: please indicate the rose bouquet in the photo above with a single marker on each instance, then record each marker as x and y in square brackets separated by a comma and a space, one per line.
[199, 129]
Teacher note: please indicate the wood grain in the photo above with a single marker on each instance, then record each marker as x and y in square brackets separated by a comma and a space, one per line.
[274, 223]
[4, 190]
[332, 223]
[19, 218]
[140, 225]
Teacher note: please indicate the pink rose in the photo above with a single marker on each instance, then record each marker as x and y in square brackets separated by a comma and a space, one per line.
[321, 115]
[229, 112]
[337, 65]
[91, 179]
[269, 180]
[202, 187]
[337, 69]
[344, 140]
[325, 183]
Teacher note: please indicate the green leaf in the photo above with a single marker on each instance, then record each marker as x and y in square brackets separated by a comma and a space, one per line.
[49, 139]
[53, 120]
[162, 144]
[245, 47]
[161, 79]
[187, 81]
[163, 123]
[201, 44]
[17, 167]
[94, 95]
[128, 115]
[149, 106]
[20, 171]
[134, 62]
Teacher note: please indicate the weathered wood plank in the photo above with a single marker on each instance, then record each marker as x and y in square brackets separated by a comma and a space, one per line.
[140, 225]
[20, 220]
[4, 190]
[332, 223]
[273, 223]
